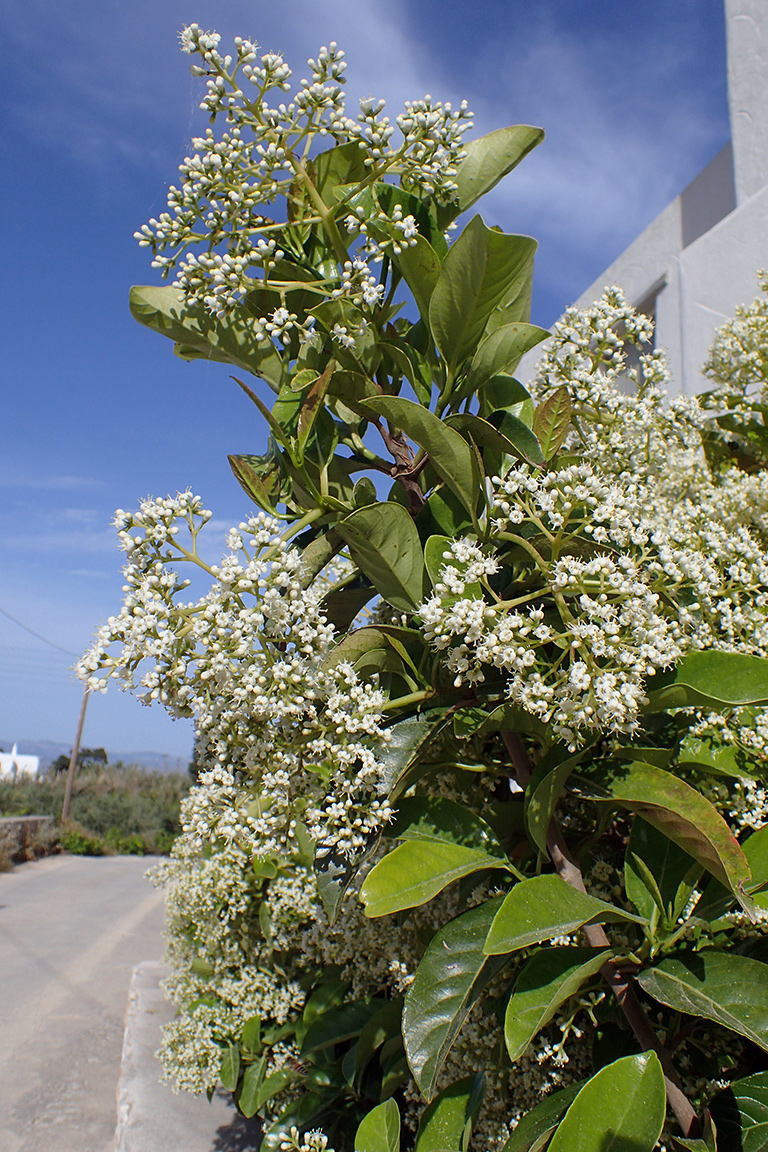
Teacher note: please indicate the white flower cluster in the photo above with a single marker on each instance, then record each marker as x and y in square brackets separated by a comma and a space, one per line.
[601, 615]
[266, 153]
[738, 359]
[287, 735]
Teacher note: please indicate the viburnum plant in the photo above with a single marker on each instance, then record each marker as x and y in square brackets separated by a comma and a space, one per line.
[477, 855]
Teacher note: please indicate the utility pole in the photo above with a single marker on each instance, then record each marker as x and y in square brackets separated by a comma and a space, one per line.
[73, 760]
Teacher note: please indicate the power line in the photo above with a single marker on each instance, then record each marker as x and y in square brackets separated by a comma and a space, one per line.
[37, 635]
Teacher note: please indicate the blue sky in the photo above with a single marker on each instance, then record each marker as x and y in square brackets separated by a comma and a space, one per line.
[99, 108]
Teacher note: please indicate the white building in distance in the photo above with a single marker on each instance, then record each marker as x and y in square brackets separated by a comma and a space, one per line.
[13, 766]
[690, 268]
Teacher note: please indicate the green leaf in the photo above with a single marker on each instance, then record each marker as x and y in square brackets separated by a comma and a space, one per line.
[165, 310]
[490, 158]
[621, 1109]
[380, 1029]
[483, 268]
[379, 1131]
[729, 989]
[741, 1114]
[507, 393]
[448, 452]
[261, 477]
[446, 1125]
[413, 366]
[416, 871]
[548, 978]
[273, 1085]
[344, 164]
[338, 1024]
[682, 814]
[335, 870]
[706, 679]
[512, 437]
[229, 1070]
[409, 739]
[508, 717]
[419, 265]
[659, 875]
[712, 755]
[436, 818]
[542, 907]
[384, 544]
[552, 420]
[451, 975]
[500, 352]
[534, 1128]
[253, 1078]
[707, 1142]
[250, 1038]
[544, 790]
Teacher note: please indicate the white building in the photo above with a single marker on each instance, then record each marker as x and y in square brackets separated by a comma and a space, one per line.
[690, 268]
[12, 765]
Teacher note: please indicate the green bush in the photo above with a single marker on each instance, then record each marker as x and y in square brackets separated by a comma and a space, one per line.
[123, 809]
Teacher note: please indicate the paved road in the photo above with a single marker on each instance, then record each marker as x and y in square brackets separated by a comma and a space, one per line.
[71, 930]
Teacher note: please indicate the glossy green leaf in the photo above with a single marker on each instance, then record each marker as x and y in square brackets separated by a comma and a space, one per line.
[504, 392]
[335, 871]
[451, 975]
[535, 1127]
[707, 1142]
[446, 1124]
[344, 164]
[379, 1030]
[712, 755]
[437, 818]
[741, 1115]
[384, 543]
[272, 1085]
[408, 741]
[682, 814]
[250, 1038]
[416, 871]
[419, 265]
[165, 310]
[448, 452]
[621, 1109]
[413, 366]
[500, 352]
[515, 429]
[379, 1131]
[716, 900]
[706, 679]
[659, 875]
[514, 439]
[732, 990]
[544, 790]
[490, 158]
[248, 1095]
[552, 420]
[229, 1070]
[542, 907]
[548, 978]
[482, 269]
[261, 477]
[339, 1024]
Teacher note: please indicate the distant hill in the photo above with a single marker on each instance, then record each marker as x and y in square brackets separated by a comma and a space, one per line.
[48, 750]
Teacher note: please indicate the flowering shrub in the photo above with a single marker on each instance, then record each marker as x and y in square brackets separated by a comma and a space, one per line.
[478, 848]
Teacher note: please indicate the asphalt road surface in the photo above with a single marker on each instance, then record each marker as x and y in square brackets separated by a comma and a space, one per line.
[71, 930]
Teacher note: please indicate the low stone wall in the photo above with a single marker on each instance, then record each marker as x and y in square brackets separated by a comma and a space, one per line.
[25, 838]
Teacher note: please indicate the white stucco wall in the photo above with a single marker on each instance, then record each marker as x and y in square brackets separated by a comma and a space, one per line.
[746, 30]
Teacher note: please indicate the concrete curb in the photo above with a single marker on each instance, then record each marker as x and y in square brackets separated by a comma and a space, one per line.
[150, 1117]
